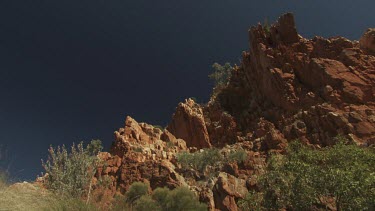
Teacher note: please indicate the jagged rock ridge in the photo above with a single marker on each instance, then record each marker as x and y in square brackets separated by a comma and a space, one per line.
[287, 87]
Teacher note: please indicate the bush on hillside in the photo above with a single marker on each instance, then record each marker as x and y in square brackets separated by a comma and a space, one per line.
[146, 203]
[136, 191]
[209, 157]
[201, 159]
[239, 156]
[304, 178]
[139, 198]
[181, 199]
[70, 172]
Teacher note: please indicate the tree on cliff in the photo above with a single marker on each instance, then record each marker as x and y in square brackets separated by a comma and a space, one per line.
[220, 76]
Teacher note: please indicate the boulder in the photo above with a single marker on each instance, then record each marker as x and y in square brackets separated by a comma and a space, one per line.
[188, 124]
[367, 41]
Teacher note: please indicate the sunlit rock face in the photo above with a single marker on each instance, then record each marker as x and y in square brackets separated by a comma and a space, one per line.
[287, 87]
[310, 89]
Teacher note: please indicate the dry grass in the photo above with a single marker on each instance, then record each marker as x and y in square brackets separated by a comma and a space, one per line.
[27, 196]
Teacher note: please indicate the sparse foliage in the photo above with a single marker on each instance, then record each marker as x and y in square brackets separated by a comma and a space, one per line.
[266, 26]
[252, 201]
[70, 172]
[159, 127]
[220, 76]
[199, 160]
[209, 157]
[239, 155]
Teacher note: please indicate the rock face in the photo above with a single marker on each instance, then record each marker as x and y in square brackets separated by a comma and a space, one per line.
[140, 154]
[227, 189]
[307, 89]
[287, 87]
[367, 42]
[188, 124]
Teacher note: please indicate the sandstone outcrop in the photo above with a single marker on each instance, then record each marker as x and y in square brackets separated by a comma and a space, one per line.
[367, 41]
[226, 190]
[140, 154]
[311, 89]
[287, 87]
[188, 124]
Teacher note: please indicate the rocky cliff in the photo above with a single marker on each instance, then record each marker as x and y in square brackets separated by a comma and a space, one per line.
[287, 87]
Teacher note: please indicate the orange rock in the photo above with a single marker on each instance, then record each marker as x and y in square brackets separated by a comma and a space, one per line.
[188, 124]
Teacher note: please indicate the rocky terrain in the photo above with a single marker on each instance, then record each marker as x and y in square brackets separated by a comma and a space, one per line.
[287, 87]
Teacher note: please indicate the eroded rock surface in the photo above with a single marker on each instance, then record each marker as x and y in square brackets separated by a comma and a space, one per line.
[287, 87]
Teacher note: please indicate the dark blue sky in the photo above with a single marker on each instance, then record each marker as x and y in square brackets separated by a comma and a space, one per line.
[72, 70]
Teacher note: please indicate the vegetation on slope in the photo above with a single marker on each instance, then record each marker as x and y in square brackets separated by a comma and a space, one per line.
[71, 173]
[213, 158]
[139, 198]
[341, 176]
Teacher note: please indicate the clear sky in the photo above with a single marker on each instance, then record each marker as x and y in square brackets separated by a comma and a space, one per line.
[73, 70]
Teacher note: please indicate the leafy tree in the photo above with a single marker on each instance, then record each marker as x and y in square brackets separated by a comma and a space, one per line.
[71, 173]
[220, 76]
[304, 177]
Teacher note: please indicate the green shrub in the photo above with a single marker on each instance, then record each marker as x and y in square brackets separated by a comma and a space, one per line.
[252, 201]
[71, 173]
[200, 159]
[120, 203]
[136, 191]
[239, 155]
[179, 199]
[344, 173]
[209, 157]
[160, 196]
[220, 76]
[146, 203]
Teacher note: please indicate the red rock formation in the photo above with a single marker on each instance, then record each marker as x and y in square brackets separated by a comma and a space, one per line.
[287, 87]
[188, 124]
[139, 154]
[367, 41]
[308, 89]
[226, 190]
